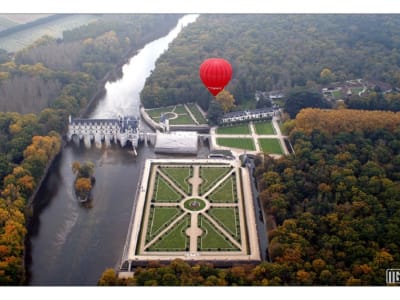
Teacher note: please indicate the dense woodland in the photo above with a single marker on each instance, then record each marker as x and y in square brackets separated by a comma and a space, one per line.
[51, 69]
[39, 87]
[276, 52]
[333, 208]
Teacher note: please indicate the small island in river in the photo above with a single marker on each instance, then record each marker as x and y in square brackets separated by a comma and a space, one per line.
[84, 180]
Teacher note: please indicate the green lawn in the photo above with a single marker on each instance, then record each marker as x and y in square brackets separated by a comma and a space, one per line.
[182, 119]
[240, 143]
[163, 192]
[196, 113]
[180, 109]
[155, 113]
[180, 176]
[159, 217]
[264, 127]
[337, 94]
[210, 176]
[356, 90]
[225, 192]
[237, 129]
[270, 146]
[228, 217]
[212, 239]
[175, 239]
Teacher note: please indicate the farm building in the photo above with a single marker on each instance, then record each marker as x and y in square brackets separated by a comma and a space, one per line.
[180, 142]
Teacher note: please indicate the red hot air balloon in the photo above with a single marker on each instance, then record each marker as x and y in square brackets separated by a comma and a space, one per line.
[215, 74]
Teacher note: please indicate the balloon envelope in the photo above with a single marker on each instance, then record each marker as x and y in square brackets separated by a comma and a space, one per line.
[215, 73]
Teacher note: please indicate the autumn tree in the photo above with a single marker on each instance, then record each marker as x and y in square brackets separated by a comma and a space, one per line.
[226, 100]
[326, 76]
[83, 186]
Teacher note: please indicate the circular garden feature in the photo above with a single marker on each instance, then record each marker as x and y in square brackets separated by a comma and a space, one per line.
[194, 204]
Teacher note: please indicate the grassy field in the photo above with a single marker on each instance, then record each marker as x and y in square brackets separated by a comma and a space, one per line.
[155, 113]
[212, 239]
[55, 28]
[239, 143]
[196, 113]
[228, 217]
[163, 192]
[225, 193]
[270, 146]
[158, 218]
[237, 129]
[182, 118]
[180, 176]
[264, 127]
[210, 176]
[180, 109]
[175, 239]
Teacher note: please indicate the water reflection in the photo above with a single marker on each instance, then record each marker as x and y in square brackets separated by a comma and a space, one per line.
[71, 244]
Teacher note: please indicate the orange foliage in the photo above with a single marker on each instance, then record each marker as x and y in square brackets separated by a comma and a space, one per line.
[43, 146]
[345, 120]
[83, 185]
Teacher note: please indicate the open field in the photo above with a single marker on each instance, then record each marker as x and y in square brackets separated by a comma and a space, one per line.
[180, 176]
[270, 146]
[236, 129]
[22, 18]
[6, 23]
[196, 113]
[264, 127]
[21, 39]
[239, 143]
[210, 176]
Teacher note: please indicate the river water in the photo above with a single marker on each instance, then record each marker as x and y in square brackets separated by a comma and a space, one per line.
[70, 244]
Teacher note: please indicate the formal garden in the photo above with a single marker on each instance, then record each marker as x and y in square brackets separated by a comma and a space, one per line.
[240, 137]
[180, 114]
[237, 143]
[193, 208]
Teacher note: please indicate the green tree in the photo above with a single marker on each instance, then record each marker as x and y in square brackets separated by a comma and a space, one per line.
[215, 111]
[300, 98]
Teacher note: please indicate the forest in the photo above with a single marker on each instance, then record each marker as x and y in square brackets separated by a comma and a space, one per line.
[39, 87]
[333, 209]
[276, 52]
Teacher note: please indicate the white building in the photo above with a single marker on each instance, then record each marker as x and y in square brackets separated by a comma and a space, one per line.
[246, 115]
[180, 142]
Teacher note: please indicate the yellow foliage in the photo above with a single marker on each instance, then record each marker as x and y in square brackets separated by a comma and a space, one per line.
[4, 75]
[15, 128]
[83, 185]
[226, 100]
[345, 120]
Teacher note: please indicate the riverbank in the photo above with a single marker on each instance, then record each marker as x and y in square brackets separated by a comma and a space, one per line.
[65, 242]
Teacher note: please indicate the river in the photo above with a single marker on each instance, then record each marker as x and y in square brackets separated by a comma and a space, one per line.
[69, 244]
